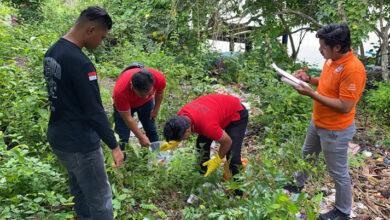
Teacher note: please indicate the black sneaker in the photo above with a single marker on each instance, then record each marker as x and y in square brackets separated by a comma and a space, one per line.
[293, 188]
[335, 214]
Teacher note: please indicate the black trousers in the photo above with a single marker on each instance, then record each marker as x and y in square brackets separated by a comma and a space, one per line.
[236, 131]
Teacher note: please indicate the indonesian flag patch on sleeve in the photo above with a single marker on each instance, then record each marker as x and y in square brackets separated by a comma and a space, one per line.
[92, 76]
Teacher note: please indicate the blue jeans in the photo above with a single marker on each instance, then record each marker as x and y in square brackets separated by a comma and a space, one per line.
[88, 184]
[144, 116]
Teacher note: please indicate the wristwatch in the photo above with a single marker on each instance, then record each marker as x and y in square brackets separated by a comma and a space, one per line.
[308, 81]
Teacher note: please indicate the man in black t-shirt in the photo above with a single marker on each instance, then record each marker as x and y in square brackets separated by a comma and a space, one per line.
[78, 120]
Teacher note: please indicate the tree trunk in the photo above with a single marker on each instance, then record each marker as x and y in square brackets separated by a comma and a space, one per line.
[385, 56]
[294, 52]
[361, 47]
[231, 44]
[197, 13]
[284, 39]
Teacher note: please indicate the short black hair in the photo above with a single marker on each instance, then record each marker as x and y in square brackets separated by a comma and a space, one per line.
[336, 34]
[142, 80]
[95, 13]
[175, 127]
[133, 66]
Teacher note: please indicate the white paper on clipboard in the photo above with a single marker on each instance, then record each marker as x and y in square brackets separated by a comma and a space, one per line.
[288, 78]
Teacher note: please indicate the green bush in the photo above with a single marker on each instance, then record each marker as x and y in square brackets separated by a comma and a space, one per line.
[26, 115]
[261, 182]
[30, 10]
[30, 186]
[378, 103]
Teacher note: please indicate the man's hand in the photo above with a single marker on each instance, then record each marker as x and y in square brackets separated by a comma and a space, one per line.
[117, 154]
[300, 74]
[212, 164]
[144, 141]
[153, 114]
[305, 90]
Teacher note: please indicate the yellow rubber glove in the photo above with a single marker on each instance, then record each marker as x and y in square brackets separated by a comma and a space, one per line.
[169, 145]
[212, 164]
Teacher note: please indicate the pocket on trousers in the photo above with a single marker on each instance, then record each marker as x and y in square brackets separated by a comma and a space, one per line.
[337, 141]
[329, 140]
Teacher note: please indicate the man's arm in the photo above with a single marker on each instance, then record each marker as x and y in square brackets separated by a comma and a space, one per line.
[87, 92]
[132, 125]
[314, 81]
[300, 74]
[158, 98]
[225, 145]
[339, 105]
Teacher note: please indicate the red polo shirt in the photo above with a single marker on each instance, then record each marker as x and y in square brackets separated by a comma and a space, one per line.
[124, 96]
[210, 114]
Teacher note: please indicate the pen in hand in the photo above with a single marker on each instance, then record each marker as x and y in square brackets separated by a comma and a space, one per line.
[307, 74]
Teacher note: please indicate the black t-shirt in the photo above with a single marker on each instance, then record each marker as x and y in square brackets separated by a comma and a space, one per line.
[77, 118]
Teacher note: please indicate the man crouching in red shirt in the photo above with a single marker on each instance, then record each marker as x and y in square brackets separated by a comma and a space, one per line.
[133, 92]
[217, 117]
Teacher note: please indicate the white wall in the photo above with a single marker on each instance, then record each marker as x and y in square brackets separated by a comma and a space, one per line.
[223, 46]
[309, 49]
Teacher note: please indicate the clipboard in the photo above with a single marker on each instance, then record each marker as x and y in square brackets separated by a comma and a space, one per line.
[288, 78]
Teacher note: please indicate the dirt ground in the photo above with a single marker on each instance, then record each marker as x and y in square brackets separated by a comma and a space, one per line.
[107, 83]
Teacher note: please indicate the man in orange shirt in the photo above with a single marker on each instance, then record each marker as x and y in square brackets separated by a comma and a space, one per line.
[339, 89]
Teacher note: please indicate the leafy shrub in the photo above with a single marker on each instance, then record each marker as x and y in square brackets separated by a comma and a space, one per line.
[8, 34]
[30, 186]
[378, 103]
[26, 115]
[262, 182]
[29, 10]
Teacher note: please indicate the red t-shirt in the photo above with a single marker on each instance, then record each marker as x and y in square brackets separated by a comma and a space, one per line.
[124, 95]
[210, 114]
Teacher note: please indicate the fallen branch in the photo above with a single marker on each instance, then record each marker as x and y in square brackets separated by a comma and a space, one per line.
[379, 204]
[374, 208]
[369, 204]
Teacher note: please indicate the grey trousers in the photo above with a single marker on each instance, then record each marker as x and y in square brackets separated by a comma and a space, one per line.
[334, 145]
